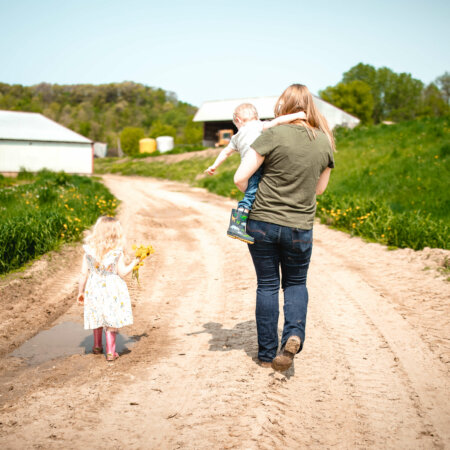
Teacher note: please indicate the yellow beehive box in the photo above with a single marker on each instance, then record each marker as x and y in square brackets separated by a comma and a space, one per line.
[147, 145]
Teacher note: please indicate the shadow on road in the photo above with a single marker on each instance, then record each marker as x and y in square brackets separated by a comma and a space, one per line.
[241, 337]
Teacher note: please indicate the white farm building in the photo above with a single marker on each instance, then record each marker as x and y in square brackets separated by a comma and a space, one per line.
[218, 115]
[33, 142]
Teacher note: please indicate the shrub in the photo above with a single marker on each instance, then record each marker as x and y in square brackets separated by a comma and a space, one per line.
[129, 139]
[39, 216]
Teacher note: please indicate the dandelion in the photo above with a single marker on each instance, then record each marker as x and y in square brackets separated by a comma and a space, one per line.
[142, 252]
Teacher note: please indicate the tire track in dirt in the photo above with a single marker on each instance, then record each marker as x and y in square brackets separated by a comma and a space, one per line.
[193, 382]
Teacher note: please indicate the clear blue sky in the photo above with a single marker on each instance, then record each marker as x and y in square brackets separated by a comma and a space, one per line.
[208, 50]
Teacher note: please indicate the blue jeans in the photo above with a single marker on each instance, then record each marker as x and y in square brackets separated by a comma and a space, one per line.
[250, 192]
[289, 248]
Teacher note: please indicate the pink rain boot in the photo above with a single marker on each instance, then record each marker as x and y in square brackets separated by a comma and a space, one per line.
[98, 346]
[111, 353]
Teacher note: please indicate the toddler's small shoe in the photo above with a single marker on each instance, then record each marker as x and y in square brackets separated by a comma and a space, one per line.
[111, 356]
[284, 360]
[237, 227]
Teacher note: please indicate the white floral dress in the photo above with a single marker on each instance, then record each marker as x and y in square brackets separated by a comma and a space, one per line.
[106, 301]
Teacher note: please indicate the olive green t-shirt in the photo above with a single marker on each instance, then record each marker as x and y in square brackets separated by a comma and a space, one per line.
[293, 163]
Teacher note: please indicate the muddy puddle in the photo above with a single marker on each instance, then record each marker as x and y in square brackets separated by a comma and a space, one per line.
[63, 340]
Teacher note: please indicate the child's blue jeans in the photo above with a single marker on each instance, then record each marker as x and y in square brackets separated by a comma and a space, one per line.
[250, 192]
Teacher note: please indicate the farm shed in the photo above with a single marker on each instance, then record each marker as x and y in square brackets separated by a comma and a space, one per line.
[34, 142]
[218, 115]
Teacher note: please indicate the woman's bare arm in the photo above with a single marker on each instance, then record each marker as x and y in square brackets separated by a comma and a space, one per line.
[249, 165]
[323, 181]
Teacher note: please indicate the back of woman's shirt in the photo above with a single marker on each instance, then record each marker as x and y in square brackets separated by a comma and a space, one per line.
[293, 163]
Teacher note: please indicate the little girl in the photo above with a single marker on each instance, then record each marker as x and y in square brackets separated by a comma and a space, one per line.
[101, 288]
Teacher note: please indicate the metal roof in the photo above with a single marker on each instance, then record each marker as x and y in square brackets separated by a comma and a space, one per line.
[25, 126]
[220, 110]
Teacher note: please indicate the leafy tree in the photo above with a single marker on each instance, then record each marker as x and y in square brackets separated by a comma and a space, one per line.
[101, 112]
[129, 139]
[84, 128]
[397, 96]
[354, 97]
[192, 133]
[433, 103]
[443, 83]
[402, 97]
[160, 129]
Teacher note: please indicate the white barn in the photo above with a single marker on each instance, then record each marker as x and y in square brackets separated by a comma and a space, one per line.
[217, 115]
[34, 142]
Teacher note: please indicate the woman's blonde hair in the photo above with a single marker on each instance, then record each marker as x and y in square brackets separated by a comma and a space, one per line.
[106, 236]
[298, 98]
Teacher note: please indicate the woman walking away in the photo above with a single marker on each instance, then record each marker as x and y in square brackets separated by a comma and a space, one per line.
[298, 158]
[101, 289]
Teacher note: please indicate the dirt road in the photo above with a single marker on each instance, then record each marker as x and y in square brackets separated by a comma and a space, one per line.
[373, 373]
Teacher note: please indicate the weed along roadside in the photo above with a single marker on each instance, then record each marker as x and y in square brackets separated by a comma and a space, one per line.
[40, 212]
[389, 185]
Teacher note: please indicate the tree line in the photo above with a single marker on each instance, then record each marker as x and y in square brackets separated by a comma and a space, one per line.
[103, 112]
[376, 95]
[131, 111]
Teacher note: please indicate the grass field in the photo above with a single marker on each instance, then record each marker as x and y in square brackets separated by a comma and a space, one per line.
[39, 212]
[390, 183]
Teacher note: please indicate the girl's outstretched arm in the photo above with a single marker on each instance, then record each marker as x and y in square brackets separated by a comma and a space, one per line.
[122, 269]
[82, 280]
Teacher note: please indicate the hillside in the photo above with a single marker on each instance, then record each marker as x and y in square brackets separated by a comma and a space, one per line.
[390, 183]
[101, 112]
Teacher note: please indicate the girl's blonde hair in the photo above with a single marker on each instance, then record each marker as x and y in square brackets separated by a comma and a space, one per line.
[298, 98]
[106, 236]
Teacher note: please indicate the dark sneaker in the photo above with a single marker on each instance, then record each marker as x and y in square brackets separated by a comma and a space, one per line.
[284, 360]
[237, 228]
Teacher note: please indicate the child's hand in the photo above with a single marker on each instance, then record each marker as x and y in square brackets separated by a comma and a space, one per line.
[136, 261]
[211, 170]
[80, 298]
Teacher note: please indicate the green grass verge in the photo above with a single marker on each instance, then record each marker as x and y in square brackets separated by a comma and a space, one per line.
[47, 210]
[175, 151]
[390, 184]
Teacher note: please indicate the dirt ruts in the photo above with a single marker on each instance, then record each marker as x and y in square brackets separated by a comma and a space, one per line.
[373, 373]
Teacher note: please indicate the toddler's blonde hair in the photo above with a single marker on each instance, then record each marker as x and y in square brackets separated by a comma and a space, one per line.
[245, 112]
[106, 236]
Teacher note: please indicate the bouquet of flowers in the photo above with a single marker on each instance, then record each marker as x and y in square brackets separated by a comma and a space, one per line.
[141, 252]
